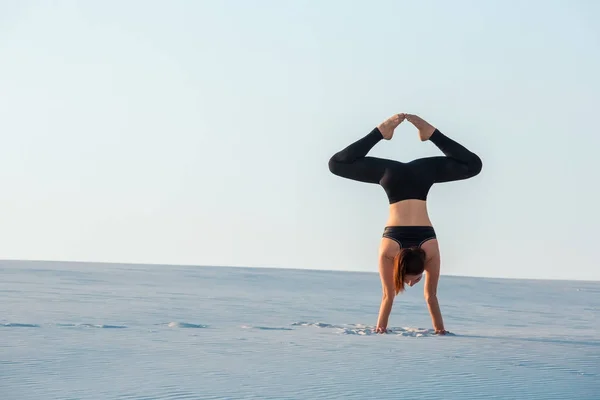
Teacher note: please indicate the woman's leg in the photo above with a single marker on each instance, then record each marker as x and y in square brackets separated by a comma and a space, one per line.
[459, 163]
[352, 162]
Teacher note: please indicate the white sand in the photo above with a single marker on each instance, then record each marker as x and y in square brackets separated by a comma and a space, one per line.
[97, 331]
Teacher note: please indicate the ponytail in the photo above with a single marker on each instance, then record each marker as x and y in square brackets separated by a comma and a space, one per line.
[410, 260]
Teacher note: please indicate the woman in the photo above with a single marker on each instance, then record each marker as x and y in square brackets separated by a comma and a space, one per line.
[409, 245]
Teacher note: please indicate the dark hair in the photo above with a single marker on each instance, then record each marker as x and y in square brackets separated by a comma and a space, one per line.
[410, 260]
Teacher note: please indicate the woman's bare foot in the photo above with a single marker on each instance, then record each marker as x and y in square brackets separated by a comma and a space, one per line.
[387, 127]
[424, 127]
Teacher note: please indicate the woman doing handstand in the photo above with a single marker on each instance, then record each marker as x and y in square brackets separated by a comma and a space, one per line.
[409, 245]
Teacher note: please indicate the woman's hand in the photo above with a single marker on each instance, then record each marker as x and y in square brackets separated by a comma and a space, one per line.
[381, 329]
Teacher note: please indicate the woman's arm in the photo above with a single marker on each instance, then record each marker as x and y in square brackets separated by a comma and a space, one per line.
[386, 273]
[432, 277]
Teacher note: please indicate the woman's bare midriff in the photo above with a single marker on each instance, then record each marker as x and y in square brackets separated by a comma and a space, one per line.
[409, 213]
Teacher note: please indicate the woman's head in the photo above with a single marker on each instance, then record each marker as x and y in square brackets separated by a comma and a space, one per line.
[409, 265]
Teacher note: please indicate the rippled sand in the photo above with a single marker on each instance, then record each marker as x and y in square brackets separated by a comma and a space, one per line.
[108, 331]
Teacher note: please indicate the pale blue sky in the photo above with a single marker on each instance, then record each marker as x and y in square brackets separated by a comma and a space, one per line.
[198, 132]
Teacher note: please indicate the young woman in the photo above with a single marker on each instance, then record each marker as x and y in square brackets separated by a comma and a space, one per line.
[409, 245]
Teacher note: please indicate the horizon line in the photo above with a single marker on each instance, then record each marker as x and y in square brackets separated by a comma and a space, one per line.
[283, 268]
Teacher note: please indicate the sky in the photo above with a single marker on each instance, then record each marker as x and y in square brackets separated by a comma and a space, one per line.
[198, 132]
